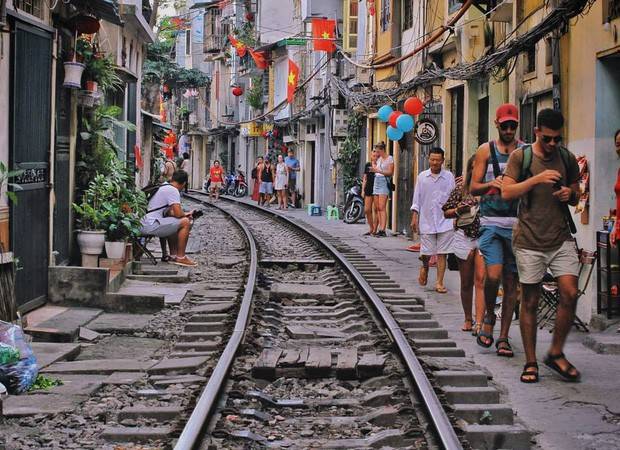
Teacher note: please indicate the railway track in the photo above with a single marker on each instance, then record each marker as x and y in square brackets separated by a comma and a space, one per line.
[324, 363]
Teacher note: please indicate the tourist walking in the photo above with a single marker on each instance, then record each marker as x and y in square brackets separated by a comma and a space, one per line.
[256, 184]
[497, 217]
[293, 167]
[545, 177]
[383, 170]
[186, 166]
[368, 184]
[281, 182]
[614, 237]
[464, 209]
[216, 175]
[432, 189]
[265, 174]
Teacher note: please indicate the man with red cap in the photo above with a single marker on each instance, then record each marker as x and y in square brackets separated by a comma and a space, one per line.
[497, 218]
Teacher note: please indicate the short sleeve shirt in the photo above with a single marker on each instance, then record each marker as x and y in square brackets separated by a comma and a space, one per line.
[292, 163]
[384, 164]
[216, 174]
[166, 196]
[541, 221]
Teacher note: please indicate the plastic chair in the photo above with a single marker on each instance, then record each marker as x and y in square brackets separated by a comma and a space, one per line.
[333, 213]
[550, 293]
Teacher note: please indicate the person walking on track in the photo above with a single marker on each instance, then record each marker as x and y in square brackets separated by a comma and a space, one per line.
[368, 183]
[432, 189]
[497, 217]
[281, 182]
[545, 177]
[463, 208]
[216, 175]
[383, 170]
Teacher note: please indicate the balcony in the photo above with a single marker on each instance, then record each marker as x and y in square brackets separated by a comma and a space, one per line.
[214, 43]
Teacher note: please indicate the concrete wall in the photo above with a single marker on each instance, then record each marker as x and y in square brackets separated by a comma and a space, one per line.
[274, 22]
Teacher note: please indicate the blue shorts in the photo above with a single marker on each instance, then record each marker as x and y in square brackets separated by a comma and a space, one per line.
[380, 187]
[495, 244]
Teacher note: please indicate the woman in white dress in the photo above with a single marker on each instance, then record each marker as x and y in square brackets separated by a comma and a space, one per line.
[281, 183]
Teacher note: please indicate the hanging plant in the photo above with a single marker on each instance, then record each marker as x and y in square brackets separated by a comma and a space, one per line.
[255, 94]
[351, 149]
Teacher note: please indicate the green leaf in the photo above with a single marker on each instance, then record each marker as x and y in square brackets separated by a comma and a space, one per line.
[12, 196]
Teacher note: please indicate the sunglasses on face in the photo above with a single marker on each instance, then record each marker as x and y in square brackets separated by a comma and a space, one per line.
[510, 124]
[546, 139]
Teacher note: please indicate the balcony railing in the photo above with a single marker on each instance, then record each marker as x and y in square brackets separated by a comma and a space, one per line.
[214, 43]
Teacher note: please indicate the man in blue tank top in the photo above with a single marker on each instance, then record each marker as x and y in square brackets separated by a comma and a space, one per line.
[497, 218]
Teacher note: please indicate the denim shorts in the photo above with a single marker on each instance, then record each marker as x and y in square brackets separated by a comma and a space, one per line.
[380, 186]
[266, 188]
[495, 245]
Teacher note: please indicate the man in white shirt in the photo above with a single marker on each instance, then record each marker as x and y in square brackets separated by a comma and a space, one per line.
[432, 189]
[166, 219]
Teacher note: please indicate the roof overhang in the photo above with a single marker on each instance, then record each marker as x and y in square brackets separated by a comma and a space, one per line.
[107, 10]
[205, 4]
[131, 12]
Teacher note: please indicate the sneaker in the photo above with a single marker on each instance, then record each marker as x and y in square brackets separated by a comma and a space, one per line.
[414, 248]
[185, 262]
[381, 233]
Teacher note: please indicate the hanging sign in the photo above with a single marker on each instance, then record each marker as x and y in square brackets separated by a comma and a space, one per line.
[426, 131]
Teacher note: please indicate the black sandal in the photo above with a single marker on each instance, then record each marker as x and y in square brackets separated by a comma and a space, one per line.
[483, 334]
[550, 361]
[529, 374]
[506, 350]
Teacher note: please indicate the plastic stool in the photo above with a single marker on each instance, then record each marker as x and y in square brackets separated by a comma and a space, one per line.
[333, 213]
[315, 210]
[309, 208]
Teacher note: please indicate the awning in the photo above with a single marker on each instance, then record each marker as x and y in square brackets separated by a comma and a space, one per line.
[205, 4]
[105, 9]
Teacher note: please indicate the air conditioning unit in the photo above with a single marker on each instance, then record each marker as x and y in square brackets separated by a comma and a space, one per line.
[340, 121]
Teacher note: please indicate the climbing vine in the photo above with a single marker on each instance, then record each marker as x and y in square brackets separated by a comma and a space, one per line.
[255, 93]
[350, 153]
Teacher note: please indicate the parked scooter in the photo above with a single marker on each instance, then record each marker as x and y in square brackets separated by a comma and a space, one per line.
[228, 186]
[241, 187]
[354, 204]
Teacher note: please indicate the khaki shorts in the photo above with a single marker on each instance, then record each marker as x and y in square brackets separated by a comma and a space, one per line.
[215, 185]
[436, 244]
[533, 264]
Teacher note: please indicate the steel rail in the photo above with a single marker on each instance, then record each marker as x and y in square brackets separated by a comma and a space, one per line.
[208, 399]
[439, 418]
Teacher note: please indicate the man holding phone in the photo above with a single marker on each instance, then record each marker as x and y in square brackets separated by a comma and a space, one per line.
[165, 218]
[545, 177]
[497, 217]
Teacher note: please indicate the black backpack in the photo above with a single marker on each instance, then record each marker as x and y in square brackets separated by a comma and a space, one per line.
[150, 190]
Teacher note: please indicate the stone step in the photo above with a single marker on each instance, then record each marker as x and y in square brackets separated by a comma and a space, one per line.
[59, 324]
[136, 434]
[418, 324]
[178, 365]
[445, 352]
[427, 333]
[160, 413]
[498, 436]
[190, 354]
[208, 318]
[389, 289]
[471, 395]
[412, 316]
[198, 336]
[465, 378]
[197, 346]
[433, 343]
[100, 366]
[203, 327]
[488, 413]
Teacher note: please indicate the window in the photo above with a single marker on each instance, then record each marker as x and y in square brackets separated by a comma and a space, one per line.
[188, 42]
[350, 25]
[31, 7]
[529, 60]
[548, 52]
[611, 10]
[386, 15]
[454, 5]
[407, 14]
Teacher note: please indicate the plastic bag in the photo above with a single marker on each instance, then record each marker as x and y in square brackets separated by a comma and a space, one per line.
[17, 376]
[8, 354]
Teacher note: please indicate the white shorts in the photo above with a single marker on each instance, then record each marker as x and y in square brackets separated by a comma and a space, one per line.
[462, 245]
[436, 244]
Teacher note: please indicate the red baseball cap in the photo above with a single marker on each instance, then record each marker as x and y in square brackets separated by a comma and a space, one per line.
[507, 112]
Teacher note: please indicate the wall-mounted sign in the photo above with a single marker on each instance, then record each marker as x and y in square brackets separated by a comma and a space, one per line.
[426, 131]
[253, 129]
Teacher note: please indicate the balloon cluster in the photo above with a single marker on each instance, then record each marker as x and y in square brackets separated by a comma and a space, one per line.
[400, 123]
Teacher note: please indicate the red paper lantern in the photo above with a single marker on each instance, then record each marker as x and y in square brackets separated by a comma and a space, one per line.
[413, 106]
[275, 133]
[249, 16]
[237, 91]
[393, 117]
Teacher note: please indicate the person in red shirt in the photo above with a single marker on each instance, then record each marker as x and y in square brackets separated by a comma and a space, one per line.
[216, 175]
[615, 234]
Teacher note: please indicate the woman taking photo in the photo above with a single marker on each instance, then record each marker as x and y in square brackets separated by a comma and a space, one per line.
[463, 207]
[368, 184]
[383, 169]
[281, 183]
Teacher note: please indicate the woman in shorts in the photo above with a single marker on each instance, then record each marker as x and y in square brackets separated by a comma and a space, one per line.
[368, 184]
[281, 182]
[383, 170]
[266, 183]
[465, 248]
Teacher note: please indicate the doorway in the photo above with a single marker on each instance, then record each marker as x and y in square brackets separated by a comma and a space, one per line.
[457, 96]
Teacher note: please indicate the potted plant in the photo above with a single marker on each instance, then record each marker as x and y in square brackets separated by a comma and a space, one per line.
[90, 216]
[74, 68]
[100, 72]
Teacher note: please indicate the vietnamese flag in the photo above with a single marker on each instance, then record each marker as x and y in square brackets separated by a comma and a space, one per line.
[239, 46]
[323, 35]
[259, 59]
[292, 80]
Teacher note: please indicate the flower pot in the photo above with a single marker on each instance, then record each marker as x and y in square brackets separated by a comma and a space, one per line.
[115, 250]
[91, 242]
[73, 74]
[91, 86]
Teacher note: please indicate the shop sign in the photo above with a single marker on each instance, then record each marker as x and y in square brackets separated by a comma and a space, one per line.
[426, 131]
[253, 129]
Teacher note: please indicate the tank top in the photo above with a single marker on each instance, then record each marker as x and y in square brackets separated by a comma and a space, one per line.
[266, 174]
[493, 210]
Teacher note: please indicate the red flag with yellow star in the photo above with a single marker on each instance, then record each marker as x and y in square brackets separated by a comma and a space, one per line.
[239, 46]
[292, 80]
[259, 58]
[324, 34]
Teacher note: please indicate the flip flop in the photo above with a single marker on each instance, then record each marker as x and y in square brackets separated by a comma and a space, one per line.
[423, 280]
[505, 350]
[550, 361]
[483, 334]
[529, 374]
[470, 328]
[441, 289]
[476, 329]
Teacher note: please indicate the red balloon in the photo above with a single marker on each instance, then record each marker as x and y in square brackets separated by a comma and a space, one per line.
[413, 106]
[393, 117]
[237, 91]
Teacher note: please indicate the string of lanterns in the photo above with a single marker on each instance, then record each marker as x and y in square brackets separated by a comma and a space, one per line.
[400, 122]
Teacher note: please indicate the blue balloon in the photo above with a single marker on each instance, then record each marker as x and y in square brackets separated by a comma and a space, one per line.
[405, 123]
[394, 133]
[384, 113]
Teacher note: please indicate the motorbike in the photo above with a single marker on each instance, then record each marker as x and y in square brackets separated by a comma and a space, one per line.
[228, 186]
[241, 187]
[354, 204]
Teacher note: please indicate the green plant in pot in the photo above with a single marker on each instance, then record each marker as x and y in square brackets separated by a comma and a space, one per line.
[75, 65]
[90, 216]
[100, 73]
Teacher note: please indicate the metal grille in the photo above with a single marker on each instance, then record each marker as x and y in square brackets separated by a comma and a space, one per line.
[31, 7]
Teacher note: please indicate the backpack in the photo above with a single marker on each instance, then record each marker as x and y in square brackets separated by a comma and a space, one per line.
[527, 173]
[150, 190]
